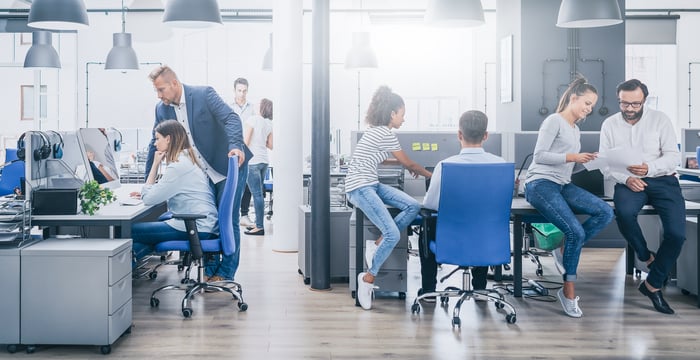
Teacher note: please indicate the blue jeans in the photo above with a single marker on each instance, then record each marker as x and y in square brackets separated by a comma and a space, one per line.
[256, 176]
[372, 199]
[146, 235]
[664, 194]
[228, 264]
[557, 203]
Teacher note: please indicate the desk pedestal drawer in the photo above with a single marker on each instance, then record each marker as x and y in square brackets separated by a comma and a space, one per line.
[687, 264]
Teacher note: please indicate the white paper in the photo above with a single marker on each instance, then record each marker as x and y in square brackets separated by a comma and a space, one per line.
[615, 160]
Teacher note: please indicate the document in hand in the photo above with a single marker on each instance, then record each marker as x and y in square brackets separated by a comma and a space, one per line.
[615, 160]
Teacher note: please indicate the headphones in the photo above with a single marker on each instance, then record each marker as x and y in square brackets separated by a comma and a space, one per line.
[118, 142]
[39, 153]
[56, 146]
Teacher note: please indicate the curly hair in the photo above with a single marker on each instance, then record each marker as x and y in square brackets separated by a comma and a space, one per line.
[384, 102]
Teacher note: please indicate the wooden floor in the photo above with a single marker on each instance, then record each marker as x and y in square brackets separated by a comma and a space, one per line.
[286, 320]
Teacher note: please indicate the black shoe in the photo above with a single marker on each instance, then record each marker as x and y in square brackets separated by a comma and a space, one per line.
[657, 299]
[429, 299]
[255, 232]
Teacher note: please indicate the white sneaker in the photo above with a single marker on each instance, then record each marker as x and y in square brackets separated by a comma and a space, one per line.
[558, 260]
[245, 221]
[365, 291]
[370, 250]
[570, 306]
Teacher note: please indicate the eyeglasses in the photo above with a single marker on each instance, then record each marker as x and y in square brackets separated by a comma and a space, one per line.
[634, 105]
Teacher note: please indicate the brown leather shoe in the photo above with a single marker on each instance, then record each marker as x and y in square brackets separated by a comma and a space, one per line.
[215, 278]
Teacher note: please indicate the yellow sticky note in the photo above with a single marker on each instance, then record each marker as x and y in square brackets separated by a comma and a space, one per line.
[426, 146]
[434, 147]
[415, 146]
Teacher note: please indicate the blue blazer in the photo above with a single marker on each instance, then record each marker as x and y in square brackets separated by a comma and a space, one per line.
[215, 128]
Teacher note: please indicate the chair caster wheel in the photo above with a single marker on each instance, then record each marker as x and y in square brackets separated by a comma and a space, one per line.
[539, 272]
[402, 295]
[456, 322]
[444, 300]
[105, 349]
[153, 275]
[31, 349]
[638, 273]
[12, 348]
[415, 308]
[180, 268]
[155, 302]
[685, 292]
[499, 305]
[511, 318]
[506, 267]
[352, 294]
[242, 306]
[307, 281]
[186, 312]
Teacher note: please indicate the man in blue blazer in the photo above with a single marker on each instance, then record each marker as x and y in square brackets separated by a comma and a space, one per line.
[216, 133]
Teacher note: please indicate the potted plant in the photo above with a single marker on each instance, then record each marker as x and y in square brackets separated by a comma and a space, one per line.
[93, 196]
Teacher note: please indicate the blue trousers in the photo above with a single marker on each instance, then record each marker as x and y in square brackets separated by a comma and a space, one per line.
[227, 265]
[256, 176]
[146, 235]
[557, 203]
[664, 194]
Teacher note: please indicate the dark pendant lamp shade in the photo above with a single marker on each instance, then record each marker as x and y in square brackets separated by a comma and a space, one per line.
[267, 59]
[42, 54]
[192, 14]
[122, 56]
[454, 13]
[588, 13]
[58, 15]
[361, 54]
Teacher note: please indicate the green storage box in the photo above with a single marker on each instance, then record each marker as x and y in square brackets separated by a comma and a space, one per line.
[547, 236]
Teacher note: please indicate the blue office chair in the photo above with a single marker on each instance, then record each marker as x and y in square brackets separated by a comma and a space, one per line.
[11, 175]
[197, 248]
[472, 229]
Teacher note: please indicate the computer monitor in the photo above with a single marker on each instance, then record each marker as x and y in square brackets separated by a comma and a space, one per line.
[690, 140]
[100, 157]
[523, 147]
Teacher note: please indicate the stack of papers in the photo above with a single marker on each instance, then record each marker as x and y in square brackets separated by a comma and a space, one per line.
[615, 160]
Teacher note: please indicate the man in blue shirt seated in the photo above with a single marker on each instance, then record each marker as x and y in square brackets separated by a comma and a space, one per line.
[472, 134]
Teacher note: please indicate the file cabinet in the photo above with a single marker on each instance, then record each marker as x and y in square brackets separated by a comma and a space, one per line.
[76, 292]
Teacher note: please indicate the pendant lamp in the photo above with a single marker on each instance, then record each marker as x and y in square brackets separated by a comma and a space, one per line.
[42, 54]
[454, 13]
[267, 59]
[361, 54]
[192, 14]
[122, 56]
[588, 13]
[58, 15]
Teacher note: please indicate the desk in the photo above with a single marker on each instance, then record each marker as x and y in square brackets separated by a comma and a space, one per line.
[118, 217]
[520, 207]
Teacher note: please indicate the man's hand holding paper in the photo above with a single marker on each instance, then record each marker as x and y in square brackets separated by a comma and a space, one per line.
[621, 160]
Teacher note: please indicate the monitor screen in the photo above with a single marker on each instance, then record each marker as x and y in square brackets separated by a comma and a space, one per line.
[100, 157]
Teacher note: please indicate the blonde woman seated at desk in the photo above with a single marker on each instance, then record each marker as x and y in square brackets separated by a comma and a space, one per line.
[183, 185]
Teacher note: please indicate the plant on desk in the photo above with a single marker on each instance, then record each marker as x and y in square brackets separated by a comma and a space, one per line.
[93, 196]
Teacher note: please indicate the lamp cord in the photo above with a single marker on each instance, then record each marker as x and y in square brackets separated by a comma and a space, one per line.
[123, 18]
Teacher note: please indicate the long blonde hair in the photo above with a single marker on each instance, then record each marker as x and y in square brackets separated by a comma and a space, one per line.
[577, 87]
[178, 140]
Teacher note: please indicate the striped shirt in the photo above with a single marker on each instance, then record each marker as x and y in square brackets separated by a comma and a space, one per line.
[373, 148]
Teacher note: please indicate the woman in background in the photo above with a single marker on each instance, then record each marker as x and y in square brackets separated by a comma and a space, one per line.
[549, 189]
[183, 185]
[363, 189]
[258, 138]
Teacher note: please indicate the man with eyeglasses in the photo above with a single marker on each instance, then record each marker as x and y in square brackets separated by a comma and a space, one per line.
[651, 133]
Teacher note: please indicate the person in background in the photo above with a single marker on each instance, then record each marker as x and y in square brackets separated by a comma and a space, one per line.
[244, 109]
[218, 135]
[471, 134]
[99, 171]
[650, 133]
[258, 137]
[549, 189]
[183, 185]
[386, 112]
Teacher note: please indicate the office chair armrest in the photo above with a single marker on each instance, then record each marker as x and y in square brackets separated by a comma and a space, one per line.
[191, 227]
[188, 216]
[428, 225]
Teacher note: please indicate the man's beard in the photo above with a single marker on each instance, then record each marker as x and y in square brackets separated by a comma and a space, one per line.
[634, 116]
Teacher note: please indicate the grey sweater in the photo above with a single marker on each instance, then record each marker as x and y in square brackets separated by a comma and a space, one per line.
[555, 139]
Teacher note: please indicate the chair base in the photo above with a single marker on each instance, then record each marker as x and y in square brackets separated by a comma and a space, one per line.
[463, 295]
[200, 286]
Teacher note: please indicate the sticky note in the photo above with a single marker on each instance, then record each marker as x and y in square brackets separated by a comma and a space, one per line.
[434, 147]
[415, 146]
[426, 146]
